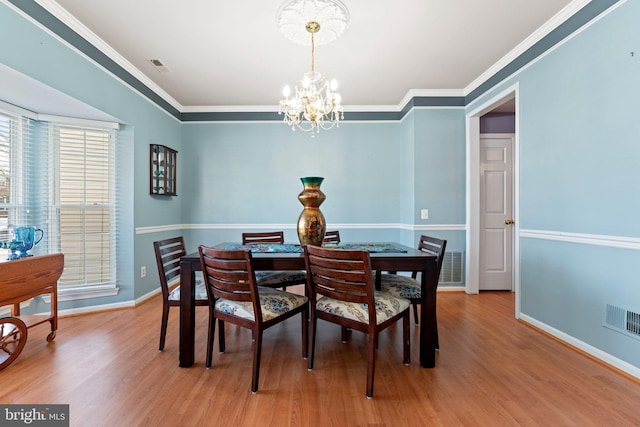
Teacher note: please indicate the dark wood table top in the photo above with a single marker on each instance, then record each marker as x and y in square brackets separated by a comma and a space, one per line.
[409, 260]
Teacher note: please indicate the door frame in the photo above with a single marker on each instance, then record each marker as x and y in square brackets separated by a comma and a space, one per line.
[472, 267]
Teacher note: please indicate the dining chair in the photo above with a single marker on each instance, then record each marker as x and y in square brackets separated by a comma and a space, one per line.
[410, 287]
[168, 253]
[331, 237]
[230, 280]
[274, 278]
[341, 291]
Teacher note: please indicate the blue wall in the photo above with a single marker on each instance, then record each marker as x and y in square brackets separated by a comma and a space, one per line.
[579, 137]
[440, 165]
[249, 174]
[438, 175]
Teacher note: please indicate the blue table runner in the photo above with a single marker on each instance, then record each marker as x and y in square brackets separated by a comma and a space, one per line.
[295, 248]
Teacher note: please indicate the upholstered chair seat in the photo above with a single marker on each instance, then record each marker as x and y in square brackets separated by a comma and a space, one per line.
[400, 286]
[281, 279]
[387, 306]
[273, 303]
[201, 291]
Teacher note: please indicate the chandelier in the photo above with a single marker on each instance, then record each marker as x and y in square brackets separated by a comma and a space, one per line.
[315, 104]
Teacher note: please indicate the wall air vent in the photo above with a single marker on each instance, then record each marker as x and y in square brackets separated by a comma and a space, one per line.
[158, 65]
[622, 320]
[451, 272]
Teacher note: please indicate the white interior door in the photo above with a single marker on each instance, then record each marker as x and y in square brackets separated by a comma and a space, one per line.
[496, 212]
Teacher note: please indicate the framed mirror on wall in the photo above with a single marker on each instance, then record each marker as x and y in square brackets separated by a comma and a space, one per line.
[162, 170]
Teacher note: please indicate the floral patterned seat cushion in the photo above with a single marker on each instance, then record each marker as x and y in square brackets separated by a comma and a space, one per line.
[273, 303]
[387, 306]
[276, 279]
[400, 286]
[201, 291]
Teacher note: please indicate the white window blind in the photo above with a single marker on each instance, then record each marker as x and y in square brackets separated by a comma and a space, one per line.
[15, 142]
[6, 127]
[84, 200]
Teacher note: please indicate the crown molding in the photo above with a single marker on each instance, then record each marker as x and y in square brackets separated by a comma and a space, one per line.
[70, 21]
[557, 20]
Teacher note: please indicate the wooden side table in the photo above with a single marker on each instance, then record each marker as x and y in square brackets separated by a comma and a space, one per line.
[26, 278]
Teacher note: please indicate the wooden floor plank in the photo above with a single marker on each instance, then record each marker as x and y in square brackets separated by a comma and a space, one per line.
[490, 370]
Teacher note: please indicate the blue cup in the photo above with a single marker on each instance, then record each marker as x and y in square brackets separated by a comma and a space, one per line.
[27, 235]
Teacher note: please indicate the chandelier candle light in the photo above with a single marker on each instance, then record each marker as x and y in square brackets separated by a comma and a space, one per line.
[315, 104]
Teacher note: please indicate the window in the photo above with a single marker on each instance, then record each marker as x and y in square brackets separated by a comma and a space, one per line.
[59, 175]
[85, 203]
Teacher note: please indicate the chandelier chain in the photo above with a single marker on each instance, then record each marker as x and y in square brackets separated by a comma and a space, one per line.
[313, 53]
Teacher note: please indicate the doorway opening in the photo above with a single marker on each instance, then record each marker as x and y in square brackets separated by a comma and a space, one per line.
[503, 103]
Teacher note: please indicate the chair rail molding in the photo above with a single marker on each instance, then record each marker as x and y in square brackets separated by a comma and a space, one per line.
[585, 239]
[292, 226]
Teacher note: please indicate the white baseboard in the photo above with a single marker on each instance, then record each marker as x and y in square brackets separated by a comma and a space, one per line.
[606, 358]
[106, 307]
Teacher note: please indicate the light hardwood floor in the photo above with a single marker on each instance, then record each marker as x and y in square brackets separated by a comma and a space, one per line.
[491, 370]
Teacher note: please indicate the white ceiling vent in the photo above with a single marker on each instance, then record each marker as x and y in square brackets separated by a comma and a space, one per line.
[158, 65]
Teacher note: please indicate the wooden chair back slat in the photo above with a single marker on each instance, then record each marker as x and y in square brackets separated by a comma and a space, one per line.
[340, 274]
[264, 237]
[228, 273]
[332, 237]
[168, 253]
[435, 247]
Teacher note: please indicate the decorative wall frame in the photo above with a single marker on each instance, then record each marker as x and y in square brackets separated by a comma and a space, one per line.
[162, 170]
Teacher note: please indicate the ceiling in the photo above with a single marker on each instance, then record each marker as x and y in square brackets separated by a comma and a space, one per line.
[230, 55]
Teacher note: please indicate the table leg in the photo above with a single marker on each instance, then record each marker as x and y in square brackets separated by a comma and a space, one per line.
[428, 321]
[15, 310]
[54, 312]
[187, 314]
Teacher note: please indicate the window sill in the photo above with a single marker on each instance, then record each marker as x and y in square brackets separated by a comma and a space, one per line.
[84, 292]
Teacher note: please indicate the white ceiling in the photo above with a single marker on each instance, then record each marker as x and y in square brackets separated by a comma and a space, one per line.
[230, 55]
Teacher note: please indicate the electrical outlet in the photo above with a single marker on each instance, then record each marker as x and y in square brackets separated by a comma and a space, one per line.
[143, 271]
[424, 214]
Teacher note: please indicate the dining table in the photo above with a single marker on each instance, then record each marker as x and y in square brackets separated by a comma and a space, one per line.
[386, 256]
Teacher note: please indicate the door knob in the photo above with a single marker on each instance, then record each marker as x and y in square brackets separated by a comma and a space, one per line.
[508, 221]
